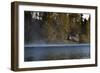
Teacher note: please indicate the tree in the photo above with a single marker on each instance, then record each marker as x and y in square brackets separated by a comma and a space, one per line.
[27, 27]
[85, 30]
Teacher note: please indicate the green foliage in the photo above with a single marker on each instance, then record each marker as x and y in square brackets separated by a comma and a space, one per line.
[85, 37]
[59, 27]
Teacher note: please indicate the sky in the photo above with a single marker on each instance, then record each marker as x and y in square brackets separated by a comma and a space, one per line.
[86, 16]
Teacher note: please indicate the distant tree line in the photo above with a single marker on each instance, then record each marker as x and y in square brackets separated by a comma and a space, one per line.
[58, 27]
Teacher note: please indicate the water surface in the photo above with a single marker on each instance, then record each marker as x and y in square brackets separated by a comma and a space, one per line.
[56, 52]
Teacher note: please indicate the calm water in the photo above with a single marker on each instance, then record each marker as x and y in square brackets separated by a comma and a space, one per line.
[41, 53]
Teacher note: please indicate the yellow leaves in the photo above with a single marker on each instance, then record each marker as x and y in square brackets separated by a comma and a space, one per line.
[58, 26]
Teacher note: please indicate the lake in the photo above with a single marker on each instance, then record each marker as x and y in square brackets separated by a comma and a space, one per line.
[56, 52]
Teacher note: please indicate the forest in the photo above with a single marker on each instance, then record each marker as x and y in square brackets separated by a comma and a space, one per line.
[56, 27]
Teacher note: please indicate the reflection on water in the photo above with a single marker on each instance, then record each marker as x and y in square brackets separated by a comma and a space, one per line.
[42, 53]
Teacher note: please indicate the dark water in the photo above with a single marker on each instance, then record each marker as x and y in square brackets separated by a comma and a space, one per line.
[41, 53]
